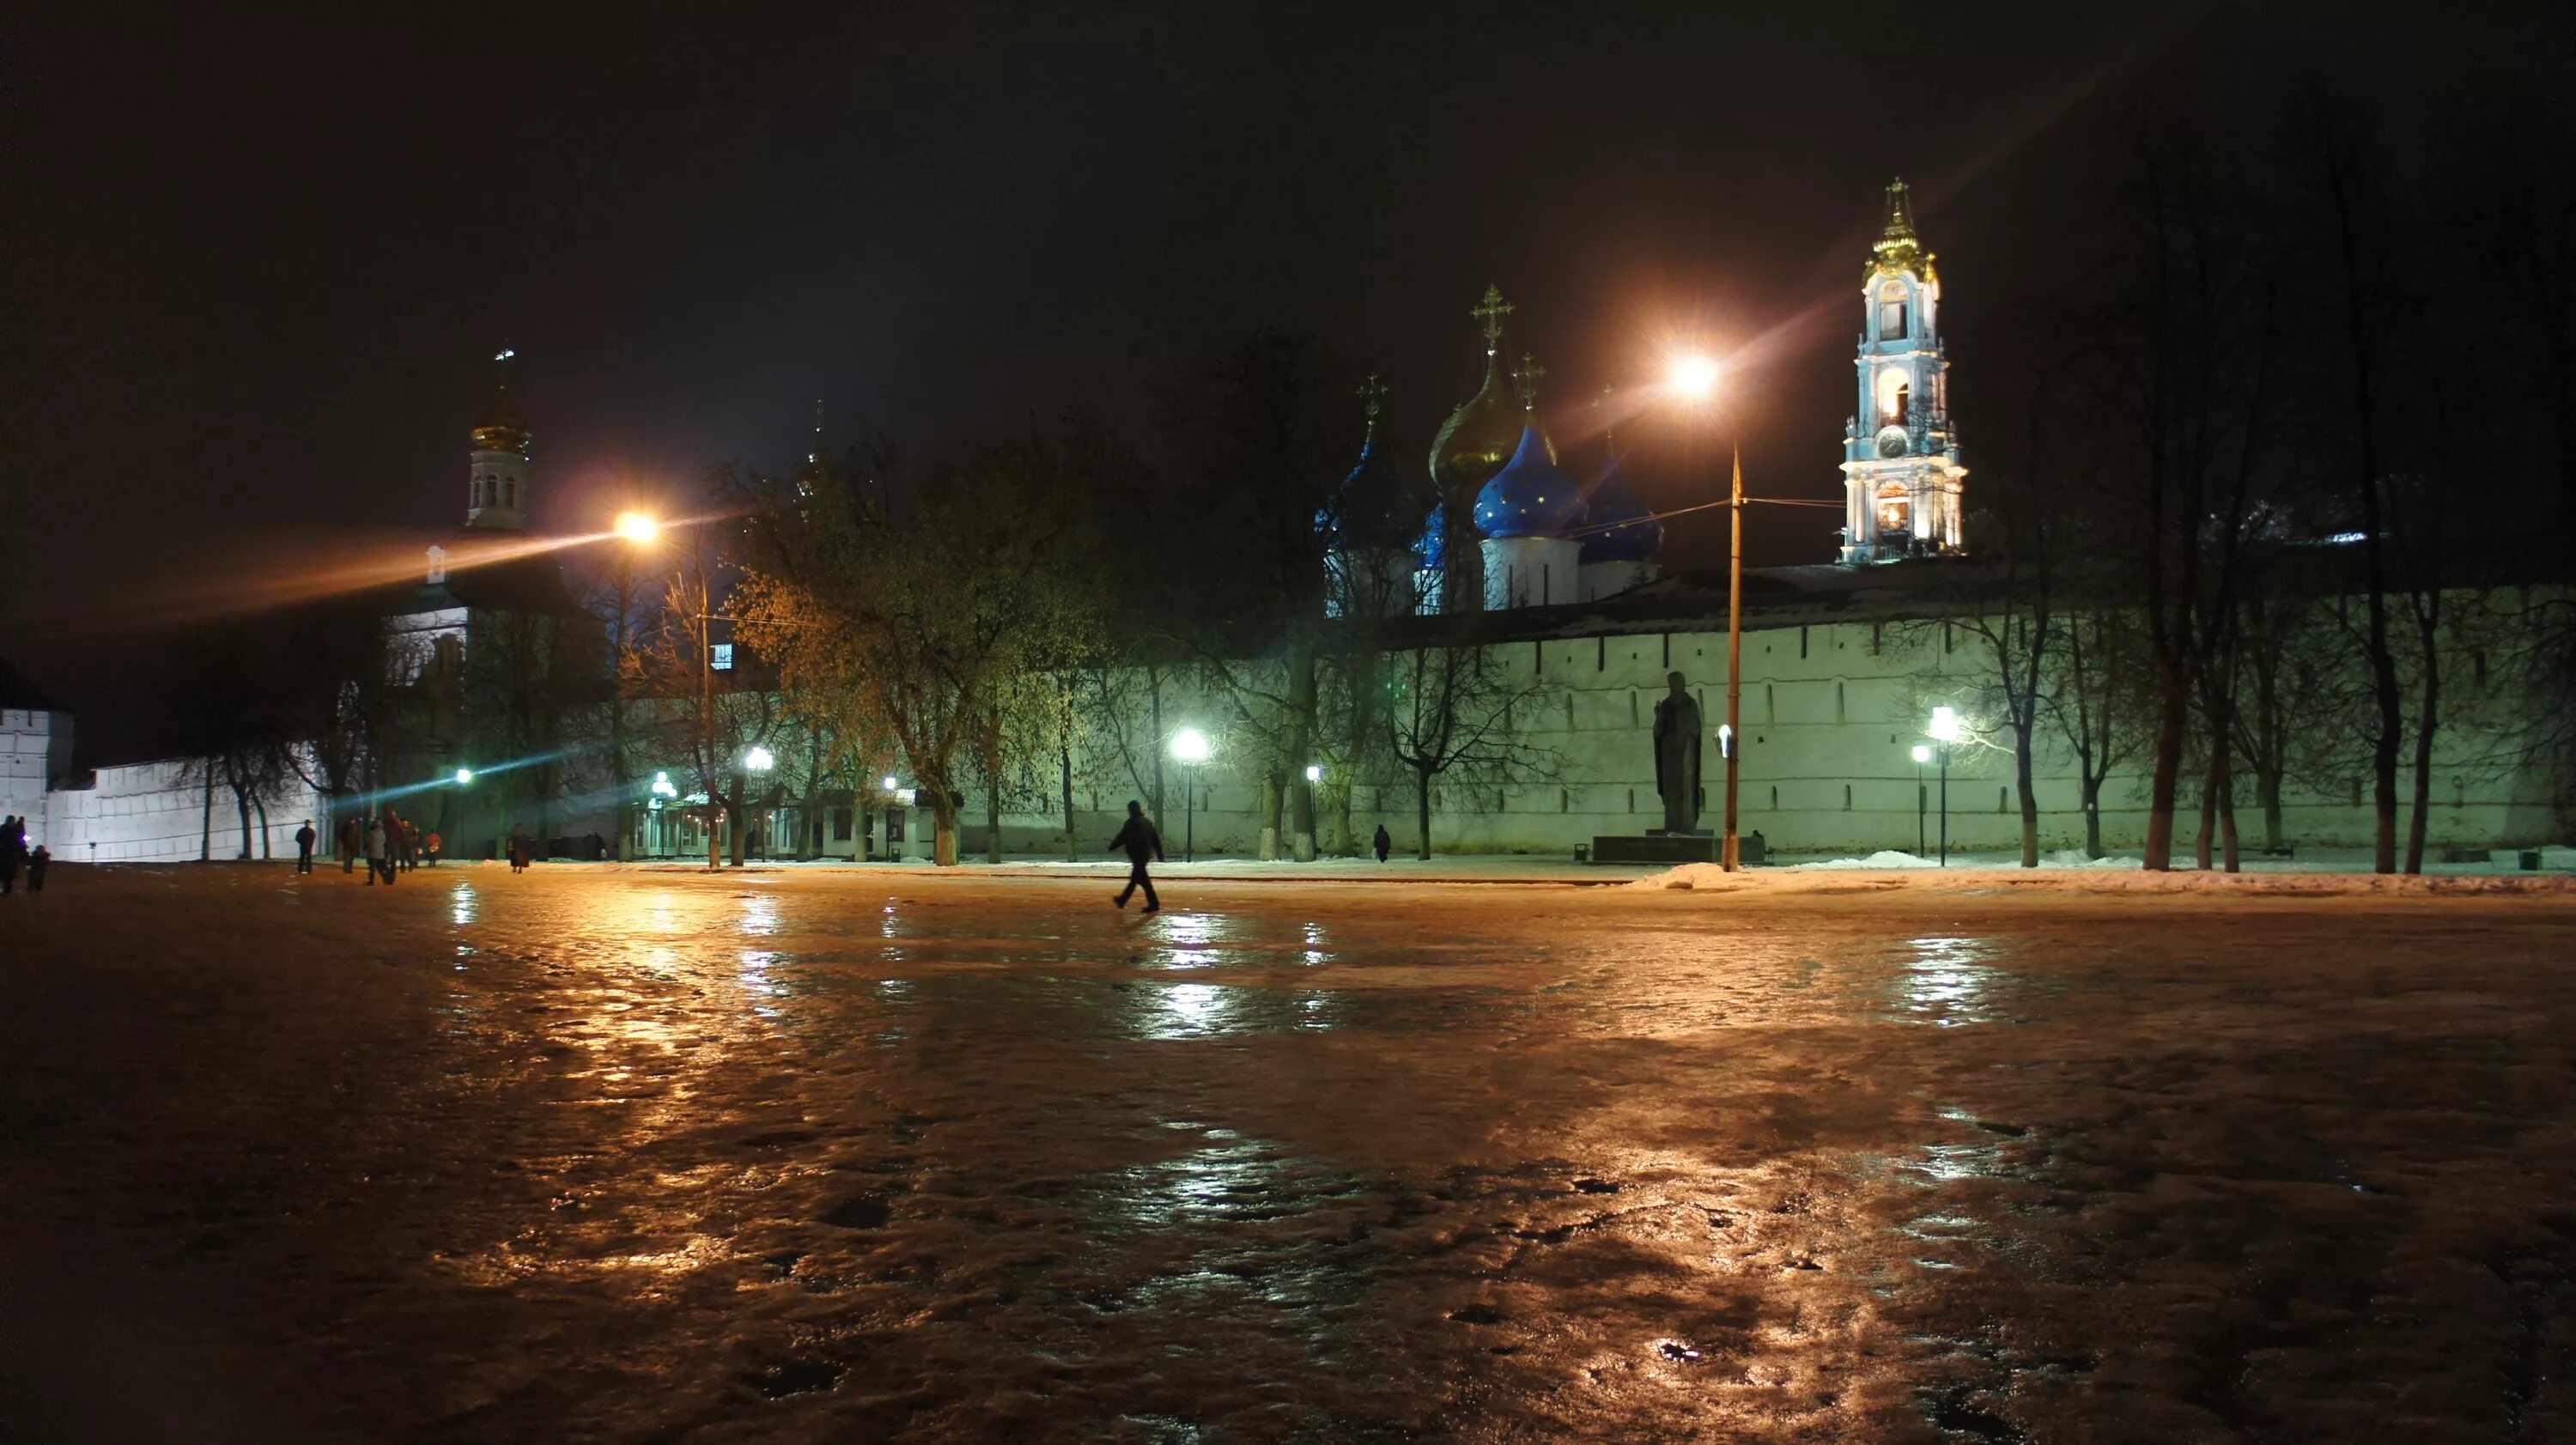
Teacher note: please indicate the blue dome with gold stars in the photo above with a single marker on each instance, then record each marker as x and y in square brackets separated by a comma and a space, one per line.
[1617, 526]
[1529, 497]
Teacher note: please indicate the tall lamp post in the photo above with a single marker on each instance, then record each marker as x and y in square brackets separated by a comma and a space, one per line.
[1945, 731]
[641, 530]
[638, 530]
[1189, 749]
[1922, 755]
[1695, 377]
[758, 760]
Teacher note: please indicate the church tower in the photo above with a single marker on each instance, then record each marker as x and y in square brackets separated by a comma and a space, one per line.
[497, 483]
[1901, 472]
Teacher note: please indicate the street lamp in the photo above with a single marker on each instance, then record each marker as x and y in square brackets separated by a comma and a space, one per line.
[1695, 378]
[1922, 755]
[1314, 772]
[759, 759]
[638, 530]
[1189, 749]
[464, 776]
[1945, 731]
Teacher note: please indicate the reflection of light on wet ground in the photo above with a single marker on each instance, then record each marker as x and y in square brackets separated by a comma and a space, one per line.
[1946, 982]
[461, 905]
[1188, 938]
[756, 979]
[1190, 1010]
[1315, 943]
[760, 916]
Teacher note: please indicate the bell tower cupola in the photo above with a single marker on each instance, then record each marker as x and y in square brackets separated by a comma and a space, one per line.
[497, 482]
[1901, 473]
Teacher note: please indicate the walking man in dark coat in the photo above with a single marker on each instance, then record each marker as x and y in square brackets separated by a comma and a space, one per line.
[353, 841]
[1141, 841]
[304, 847]
[1385, 844]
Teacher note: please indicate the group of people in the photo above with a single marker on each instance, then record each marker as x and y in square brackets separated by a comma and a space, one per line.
[388, 843]
[15, 857]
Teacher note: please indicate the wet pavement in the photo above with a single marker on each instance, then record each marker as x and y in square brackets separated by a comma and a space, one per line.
[630, 1156]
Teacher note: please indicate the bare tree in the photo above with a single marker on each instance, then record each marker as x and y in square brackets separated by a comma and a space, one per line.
[1449, 714]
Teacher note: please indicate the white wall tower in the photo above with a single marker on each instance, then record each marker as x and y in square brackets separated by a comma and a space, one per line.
[1901, 472]
[497, 484]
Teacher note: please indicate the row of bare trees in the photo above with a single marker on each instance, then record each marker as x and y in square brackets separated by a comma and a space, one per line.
[2279, 453]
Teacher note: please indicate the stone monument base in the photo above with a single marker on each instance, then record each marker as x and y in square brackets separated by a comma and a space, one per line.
[1656, 847]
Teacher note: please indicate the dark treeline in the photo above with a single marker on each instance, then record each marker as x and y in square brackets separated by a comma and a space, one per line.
[2283, 458]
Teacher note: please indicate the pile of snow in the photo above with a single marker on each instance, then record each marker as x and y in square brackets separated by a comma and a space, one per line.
[2078, 858]
[1884, 858]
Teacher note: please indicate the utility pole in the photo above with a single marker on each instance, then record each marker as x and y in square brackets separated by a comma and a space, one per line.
[1734, 652]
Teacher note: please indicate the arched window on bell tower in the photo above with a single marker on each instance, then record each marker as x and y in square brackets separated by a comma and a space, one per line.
[1891, 312]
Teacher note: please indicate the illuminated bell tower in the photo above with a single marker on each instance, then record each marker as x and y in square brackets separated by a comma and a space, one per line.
[497, 483]
[1901, 472]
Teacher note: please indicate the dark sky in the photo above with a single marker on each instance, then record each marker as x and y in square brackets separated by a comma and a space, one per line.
[256, 268]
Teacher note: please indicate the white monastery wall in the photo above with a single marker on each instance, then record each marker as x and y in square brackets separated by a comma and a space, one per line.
[150, 813]
[35, 748]
[1831, 714]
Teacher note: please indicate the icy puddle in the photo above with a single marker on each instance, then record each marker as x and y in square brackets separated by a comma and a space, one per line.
[588, 1155]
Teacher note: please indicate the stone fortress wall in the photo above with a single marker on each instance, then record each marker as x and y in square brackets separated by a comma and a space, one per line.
[1830, 715]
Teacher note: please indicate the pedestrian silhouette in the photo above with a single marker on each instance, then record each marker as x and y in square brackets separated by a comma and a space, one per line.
[1141, 841]
[37, 862]
[13, 853]
[304, 847]
[1385, 844]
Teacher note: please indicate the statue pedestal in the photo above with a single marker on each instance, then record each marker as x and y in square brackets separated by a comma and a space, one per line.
[1657, 846]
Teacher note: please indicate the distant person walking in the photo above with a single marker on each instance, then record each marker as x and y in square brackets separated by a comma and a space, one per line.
[13, 853]
[1385, 844]
[304, 847]
[1141, 841]
[37, 863]
[430, 847]
[353, 841]
[378, 860]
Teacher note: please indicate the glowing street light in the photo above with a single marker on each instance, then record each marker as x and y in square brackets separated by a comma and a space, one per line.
[1694, 377]
[464, 776]
[1189, 749]
[1922, 800]
[1314, 772]
[1945, 731]
[759, 759]
[637, 527]
[888, 782]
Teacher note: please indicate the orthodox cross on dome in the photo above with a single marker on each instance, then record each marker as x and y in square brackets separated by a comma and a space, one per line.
[1372, 401]
[1489, 313]
[816, 454]
[1525, 379]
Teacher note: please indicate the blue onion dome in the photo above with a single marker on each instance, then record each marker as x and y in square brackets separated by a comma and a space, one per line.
[1618, 528]
[1431, 548]
[1372, 510]
[1529, 497]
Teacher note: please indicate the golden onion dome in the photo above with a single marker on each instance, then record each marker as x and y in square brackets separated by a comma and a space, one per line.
[1482, 433]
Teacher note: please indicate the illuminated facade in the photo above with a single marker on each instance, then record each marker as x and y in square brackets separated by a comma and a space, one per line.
[1901, 472]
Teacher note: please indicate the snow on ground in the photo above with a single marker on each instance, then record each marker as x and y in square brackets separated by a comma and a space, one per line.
[623, 1155]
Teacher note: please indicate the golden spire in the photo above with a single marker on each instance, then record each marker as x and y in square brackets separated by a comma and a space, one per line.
[1372, 401]
[1489, 313]
[1897, 248]
[501, 429]
[1525, 380]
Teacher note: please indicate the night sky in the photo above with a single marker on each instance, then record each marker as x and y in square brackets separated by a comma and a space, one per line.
[255, 269]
